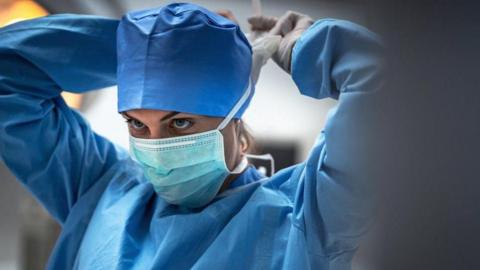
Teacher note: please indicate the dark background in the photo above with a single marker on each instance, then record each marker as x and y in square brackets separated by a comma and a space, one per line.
[429, 208]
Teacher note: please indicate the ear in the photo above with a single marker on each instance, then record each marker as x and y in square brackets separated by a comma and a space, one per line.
[243, 145]
[240, 136]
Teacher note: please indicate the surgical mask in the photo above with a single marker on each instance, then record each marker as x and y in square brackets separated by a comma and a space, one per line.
[187, 170]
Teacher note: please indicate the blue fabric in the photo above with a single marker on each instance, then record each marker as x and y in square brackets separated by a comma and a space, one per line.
[309, 216]
[182, 58]
[249, 176]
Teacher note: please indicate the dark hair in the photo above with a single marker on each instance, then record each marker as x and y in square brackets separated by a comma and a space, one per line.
[247, 137]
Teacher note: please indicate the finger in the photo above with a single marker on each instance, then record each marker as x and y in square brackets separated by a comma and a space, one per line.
[301, 26]
[262, 23]
[303, 23]
[285, 24]
[227, 14]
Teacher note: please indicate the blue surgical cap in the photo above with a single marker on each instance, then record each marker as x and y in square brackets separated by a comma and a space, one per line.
[184, 58]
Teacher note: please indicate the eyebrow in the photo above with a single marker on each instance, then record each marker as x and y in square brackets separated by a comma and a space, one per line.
[169, 115]
[166, 117]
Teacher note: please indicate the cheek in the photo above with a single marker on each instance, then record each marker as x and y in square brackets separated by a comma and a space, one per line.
[230, 143]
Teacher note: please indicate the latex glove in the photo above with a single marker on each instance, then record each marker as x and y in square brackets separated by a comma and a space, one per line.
[290, 27]
[263, 47]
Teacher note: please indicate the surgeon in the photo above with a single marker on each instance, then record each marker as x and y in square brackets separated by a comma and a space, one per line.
[184, 196]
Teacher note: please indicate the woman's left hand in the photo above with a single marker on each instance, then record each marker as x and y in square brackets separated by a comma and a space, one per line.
[290, 27]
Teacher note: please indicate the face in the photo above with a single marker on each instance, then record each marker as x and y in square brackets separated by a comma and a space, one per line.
[156, 124]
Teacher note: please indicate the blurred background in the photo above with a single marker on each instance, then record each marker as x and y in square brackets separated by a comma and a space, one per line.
[428, 186]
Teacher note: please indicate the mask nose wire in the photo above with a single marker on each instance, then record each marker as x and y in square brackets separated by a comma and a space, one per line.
[237, 106]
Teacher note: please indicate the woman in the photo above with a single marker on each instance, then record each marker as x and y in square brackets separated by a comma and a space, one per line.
[190, 201]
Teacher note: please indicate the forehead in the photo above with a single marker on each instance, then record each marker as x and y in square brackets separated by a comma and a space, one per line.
[147, 113]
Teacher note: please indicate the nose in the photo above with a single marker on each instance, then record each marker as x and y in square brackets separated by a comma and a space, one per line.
[157, 133]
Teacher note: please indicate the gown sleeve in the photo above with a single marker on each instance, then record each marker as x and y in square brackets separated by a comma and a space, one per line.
[49, 147]
[333, 206]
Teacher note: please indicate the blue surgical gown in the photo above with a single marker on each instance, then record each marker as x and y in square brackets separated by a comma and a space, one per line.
[308, 216]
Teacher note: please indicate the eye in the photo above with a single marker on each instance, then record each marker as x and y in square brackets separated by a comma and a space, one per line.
[135, 124]
[181, 123]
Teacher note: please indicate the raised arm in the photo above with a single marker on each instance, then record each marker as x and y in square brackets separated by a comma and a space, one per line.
[49, 147]
[339, 59]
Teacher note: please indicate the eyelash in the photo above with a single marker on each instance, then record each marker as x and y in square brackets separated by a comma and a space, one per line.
[129, 122]
[171, 125]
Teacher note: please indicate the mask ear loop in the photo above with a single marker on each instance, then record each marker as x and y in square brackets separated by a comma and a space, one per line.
[237, 106]
[243, 163]
[240, 167]
[229, 117]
